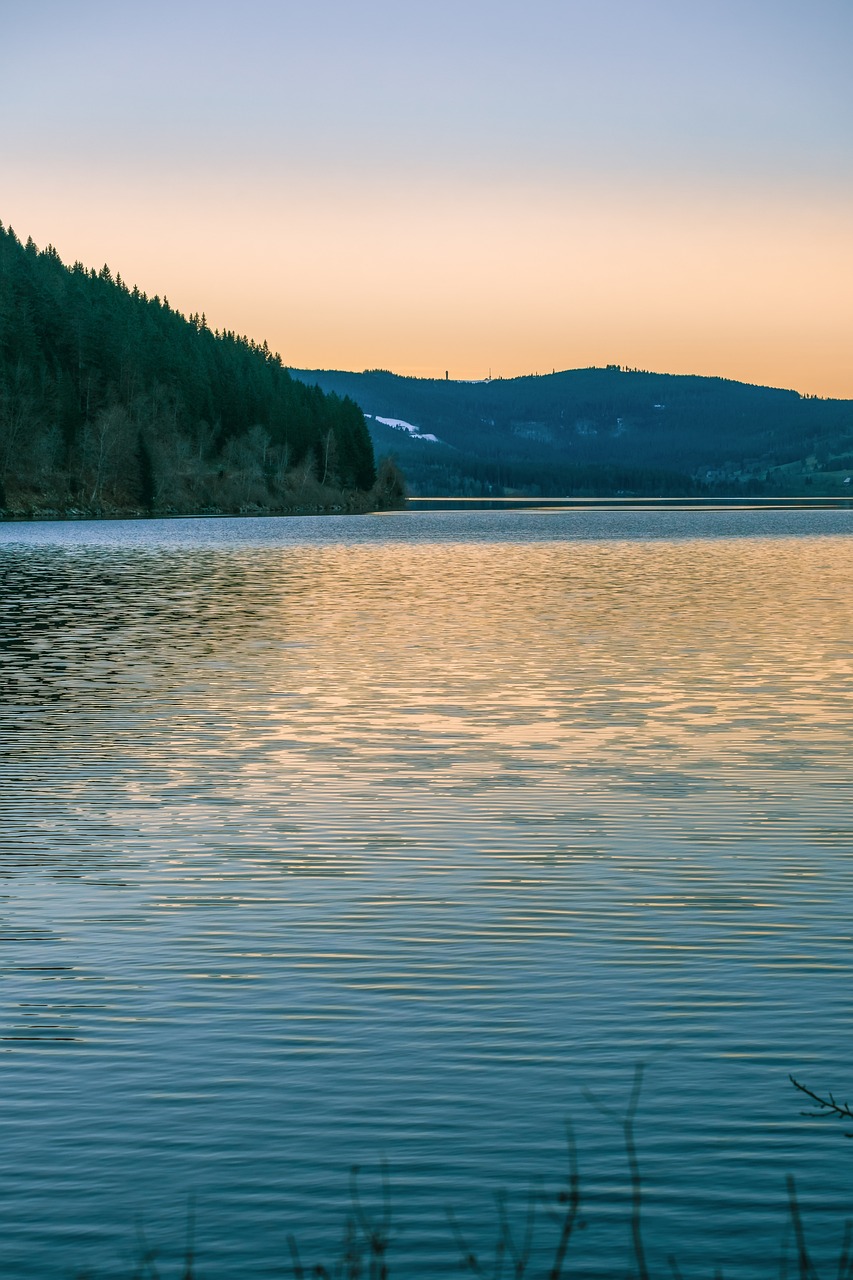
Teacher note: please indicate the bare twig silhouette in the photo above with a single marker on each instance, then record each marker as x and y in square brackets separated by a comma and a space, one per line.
[567, 1202]
[826, 1106]
[569, 1199]
[147, 1255]
[845, 1261]
[520, 1256]
[296, 1261]
[376, 1231]
[468, 1257]
[626, 1123]
[804, 1262]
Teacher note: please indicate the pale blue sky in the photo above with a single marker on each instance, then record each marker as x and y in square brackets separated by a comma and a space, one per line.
[755, 88]
[190, 110]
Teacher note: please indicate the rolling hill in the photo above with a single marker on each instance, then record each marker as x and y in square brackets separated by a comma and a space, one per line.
[602, 431]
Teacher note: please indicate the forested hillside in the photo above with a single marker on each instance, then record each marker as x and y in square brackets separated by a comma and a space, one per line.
[604, 431]
[111, 401]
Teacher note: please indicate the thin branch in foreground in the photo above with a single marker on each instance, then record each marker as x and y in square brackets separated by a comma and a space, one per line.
[468, 1257]
[296, 1261]
[804, 1262]
[520, 1256]
[826, 1107]
[570, 1198]
[147, 1254]
[845, 1261]
[376, 1231]
[626, 1123]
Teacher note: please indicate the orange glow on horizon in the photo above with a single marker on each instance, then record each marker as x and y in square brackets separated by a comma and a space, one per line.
[474, 279]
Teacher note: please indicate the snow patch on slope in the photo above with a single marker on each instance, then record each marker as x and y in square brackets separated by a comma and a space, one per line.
[398, 424]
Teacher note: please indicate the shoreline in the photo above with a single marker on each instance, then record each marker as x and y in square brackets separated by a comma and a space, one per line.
[424, 505]
[74, 516]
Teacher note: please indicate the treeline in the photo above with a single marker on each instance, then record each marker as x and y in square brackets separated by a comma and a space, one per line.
[112, 401]
[441, 473]
[587, 429]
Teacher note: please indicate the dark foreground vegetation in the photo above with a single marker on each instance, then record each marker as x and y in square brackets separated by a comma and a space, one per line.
[113, 403]
[536, 1240]
[365, 1250]
[603, 433]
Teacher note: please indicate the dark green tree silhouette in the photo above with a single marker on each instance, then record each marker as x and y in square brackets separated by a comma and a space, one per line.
[145, 475]
[101, 386]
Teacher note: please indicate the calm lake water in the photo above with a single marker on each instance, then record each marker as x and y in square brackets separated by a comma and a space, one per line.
[328, 840]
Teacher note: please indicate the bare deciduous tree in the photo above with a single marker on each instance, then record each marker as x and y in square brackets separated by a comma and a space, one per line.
[105, 444]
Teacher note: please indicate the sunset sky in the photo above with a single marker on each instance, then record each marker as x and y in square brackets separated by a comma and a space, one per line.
[467, 186]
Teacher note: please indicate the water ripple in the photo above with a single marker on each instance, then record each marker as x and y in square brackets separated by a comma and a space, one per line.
[322, 839]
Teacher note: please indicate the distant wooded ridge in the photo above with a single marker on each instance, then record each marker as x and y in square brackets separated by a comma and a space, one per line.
[112, 402]
[602, 432]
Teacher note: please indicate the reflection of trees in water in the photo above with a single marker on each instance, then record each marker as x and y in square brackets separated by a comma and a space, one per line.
[76, 625]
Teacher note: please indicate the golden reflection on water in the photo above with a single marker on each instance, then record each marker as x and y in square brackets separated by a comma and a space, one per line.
[318, 701]
[462, 665]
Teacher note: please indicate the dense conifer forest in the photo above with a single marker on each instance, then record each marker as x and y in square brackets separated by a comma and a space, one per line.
[112, 402]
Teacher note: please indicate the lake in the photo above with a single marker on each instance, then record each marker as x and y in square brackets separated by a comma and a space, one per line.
[327, 841]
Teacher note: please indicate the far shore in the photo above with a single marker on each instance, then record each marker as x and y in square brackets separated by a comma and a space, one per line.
[426, 504]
